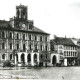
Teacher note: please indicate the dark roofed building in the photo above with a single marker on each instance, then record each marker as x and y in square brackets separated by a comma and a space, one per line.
[20, 37]
[66, 49]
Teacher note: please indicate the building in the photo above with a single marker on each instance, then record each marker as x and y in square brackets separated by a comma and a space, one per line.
[23, 43]
[67, 50]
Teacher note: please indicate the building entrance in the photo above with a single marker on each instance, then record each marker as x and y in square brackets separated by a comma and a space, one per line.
[54, 60]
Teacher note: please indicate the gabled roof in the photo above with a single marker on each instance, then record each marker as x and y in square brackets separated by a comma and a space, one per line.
[5, 25]
[63, 41]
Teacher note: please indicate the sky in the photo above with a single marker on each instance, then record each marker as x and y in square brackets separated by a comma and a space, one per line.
[57, 17]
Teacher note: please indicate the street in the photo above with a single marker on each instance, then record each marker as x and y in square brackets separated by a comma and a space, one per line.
[55, 73]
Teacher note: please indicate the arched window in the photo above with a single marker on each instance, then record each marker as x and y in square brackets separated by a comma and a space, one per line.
[30, 26]
[17, 35]
[10, 45]
[3, 46]
[41, 47]
[24, 48]
[46, 47]
[29, 37]
[23, 36]
[40, 38]
[10, 35]
[3, 56]
[3, 34]
[17, 46]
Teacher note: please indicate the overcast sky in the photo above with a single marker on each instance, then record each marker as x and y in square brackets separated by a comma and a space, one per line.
[59, 17]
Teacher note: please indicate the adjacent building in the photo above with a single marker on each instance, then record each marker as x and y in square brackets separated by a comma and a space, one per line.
[66, 49]
[23, 43]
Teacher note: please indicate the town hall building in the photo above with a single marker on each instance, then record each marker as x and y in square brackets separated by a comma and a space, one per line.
[23, 43]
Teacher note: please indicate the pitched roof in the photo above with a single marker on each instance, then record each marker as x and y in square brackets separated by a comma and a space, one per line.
[39, 30]
[5, 24]
[63, 41]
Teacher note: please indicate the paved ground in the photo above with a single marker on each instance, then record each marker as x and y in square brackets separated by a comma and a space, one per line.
[55, 73]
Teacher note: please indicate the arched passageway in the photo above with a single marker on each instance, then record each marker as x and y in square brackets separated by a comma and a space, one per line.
[23, 57]
[54, 60]
[35, 57]
[29, 58]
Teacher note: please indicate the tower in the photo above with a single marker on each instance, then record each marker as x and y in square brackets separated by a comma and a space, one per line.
[21, 12]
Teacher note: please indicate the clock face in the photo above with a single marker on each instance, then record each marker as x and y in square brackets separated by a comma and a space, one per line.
[23, 25]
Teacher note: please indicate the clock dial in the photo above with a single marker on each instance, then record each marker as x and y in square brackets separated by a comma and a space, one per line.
[23, 25]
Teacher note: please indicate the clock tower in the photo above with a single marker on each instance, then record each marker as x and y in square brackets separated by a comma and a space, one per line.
[21, 21]
[21, 12]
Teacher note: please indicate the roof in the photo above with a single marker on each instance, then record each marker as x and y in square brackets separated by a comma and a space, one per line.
[39, 30]
[63, 41]
[5, 25]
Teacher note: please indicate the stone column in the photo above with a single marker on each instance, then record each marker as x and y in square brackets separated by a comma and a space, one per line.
[26, 62]
[15, 60]
[65, 62]
[32, 59]
[38, 58]
[19, 59]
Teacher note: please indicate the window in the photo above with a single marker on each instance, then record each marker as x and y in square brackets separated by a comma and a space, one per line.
[10, 45]
[64, 53]
[69, 53]
[3, 45]
[75, 53]
[40, 38]
[46, 56]
[35, 38]
[46, 39]
[41, 56]
[10, 56]
[10, 35]
[30, 26]
[35, 47]
[41, 47]
[30, 46]
[3, 56]
[3, 34]
[17, 46]
[17, 36]
[24, 47]
[29, 37]
[23, 36]
[46, 48]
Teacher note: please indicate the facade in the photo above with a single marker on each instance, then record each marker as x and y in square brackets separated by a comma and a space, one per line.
[67, 50]
[23, 43]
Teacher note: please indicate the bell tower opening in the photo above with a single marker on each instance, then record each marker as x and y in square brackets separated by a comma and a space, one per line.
[21, 12]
